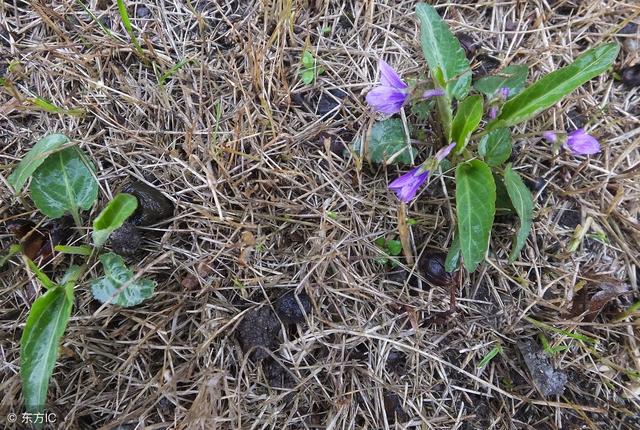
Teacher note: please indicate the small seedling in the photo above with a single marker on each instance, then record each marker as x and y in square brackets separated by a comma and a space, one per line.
[309, 71]
[490, 355]
[63, 181]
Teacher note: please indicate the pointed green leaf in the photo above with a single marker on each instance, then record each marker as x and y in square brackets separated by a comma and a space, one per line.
[387, 139]
[503, 201]
[42, 277]
[553, 87]
[39, 344]
[513, 77]
[84, 250]
[468, 116]
[64, 183]
[34, 158]
[118, 285]
[443, 50]
[112, 217]
[495, 147]
[475, 207]
[523, 203]
[452, 261]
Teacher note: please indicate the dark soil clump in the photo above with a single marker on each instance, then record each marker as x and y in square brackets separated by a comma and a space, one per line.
[258, 332]
[292, 308]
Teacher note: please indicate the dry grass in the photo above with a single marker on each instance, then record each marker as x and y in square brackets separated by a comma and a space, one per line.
[263, 168]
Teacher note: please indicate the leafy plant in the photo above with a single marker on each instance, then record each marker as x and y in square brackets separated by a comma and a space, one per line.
[63, 181]
[309, 71]
[475, 122]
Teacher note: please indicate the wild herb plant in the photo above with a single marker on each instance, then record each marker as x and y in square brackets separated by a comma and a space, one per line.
[475, 124]
[63, 181]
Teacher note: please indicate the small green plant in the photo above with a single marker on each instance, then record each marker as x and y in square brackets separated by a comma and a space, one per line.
[391, 247]
[490, 355]
[475, 122]
[309, 71]
[63, 181]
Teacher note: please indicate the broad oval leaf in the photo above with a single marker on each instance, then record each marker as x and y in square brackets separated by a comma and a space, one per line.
[118, 286]
[112, 217]
[387, 142]
[513, 77]
[34, 158]
[64, 183]
[553, 87]
[443, 50]
[468, 116]
[523, 203]
[40, 342]
[495, 146]
[475, 207]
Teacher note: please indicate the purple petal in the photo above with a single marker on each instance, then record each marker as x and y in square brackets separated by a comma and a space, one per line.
[389, 77]
[436, 92]
[550, 136]
[493, 112]
[387, 100]
[505, 92]
[581, 143]
[407, 185]
[404, 179]
[443, 152]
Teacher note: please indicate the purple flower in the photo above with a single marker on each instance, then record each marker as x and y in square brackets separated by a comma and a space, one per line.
[406, 186]
[444, 152]
[505, 93]
[580, 143]
[436, 92]
[493, 112]
[392, 92]
[550, 136]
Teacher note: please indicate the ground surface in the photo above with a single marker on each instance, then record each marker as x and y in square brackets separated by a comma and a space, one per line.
[263, 206]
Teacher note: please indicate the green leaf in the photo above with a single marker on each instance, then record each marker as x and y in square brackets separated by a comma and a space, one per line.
[307, 60]
[394, 247]
[172, 71]
[452, 261]
[495, 147]
[83, 250]
[512, 77]
[42, 277]
[490, 356]
[467, 118]
[523, 203]
[64, 183]
[112, 217]
[422, 109]
[442, 50]
[503, 201]
[72, 274]
[475, 207]
[13, 250]
[387, 140]
[39, 344]
[308, 76]
[553, 87]
[122, 9]
[118, 286]
[34, 158]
